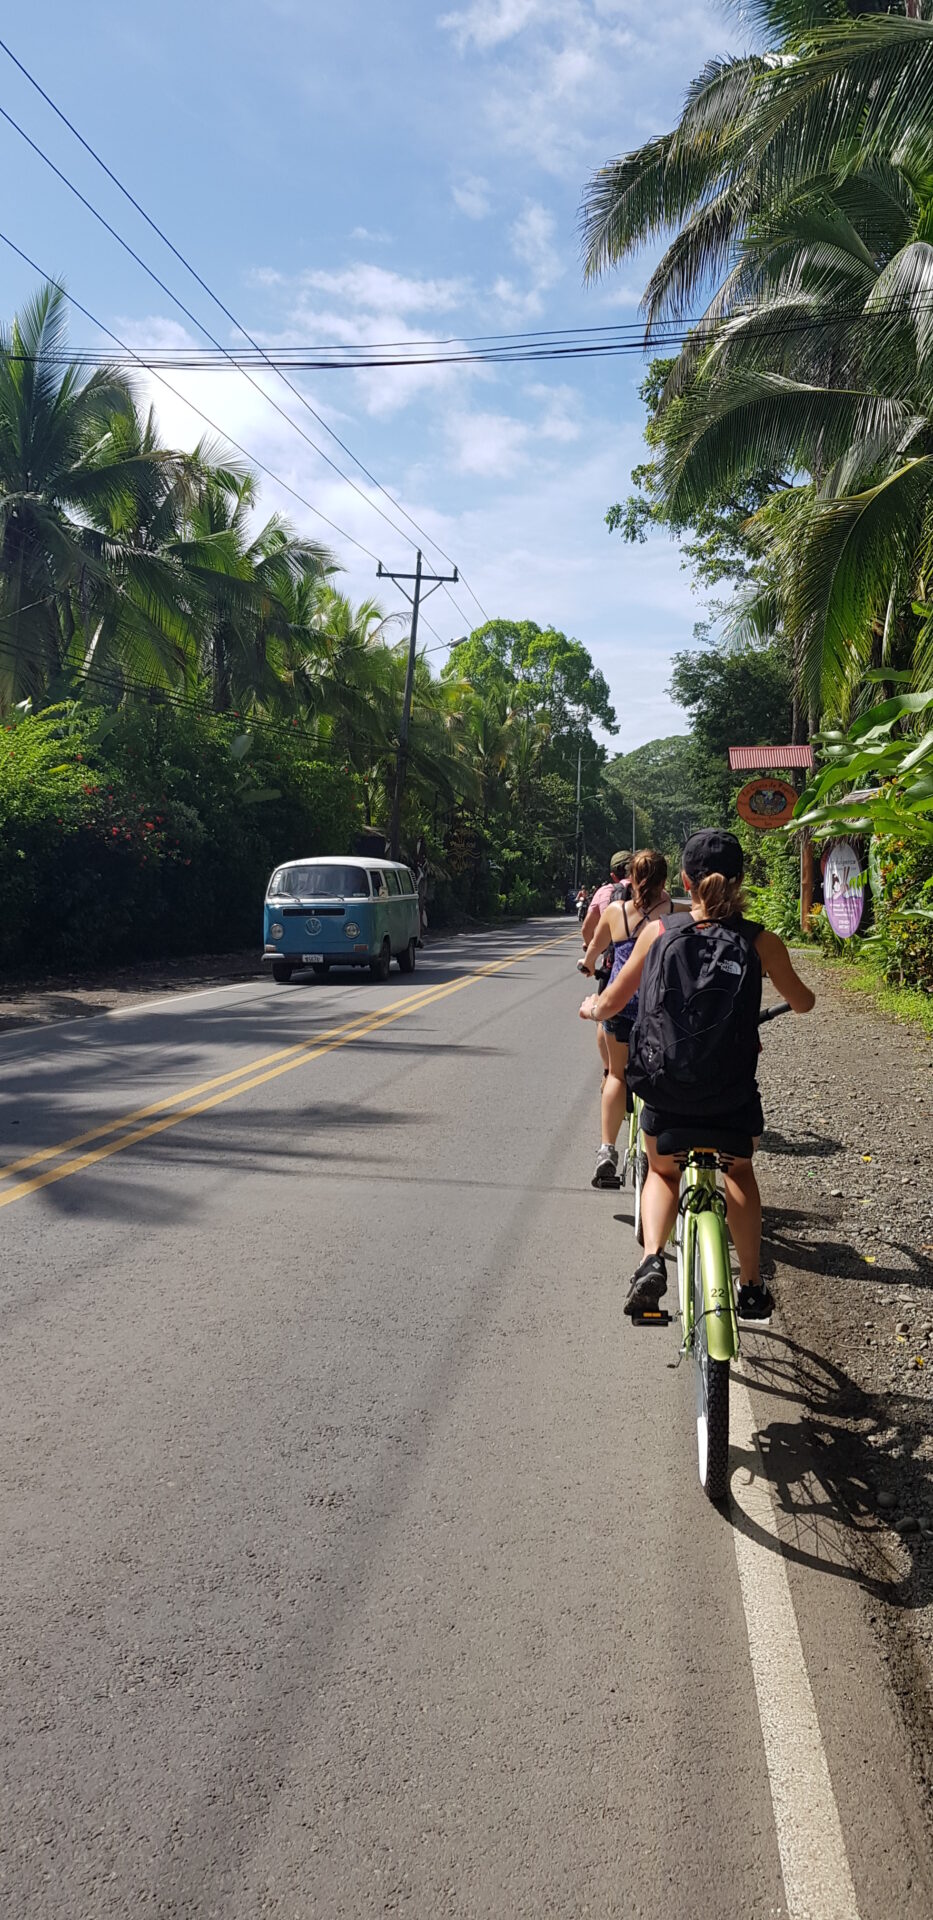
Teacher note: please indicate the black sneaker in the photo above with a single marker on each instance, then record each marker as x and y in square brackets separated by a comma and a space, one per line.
[755, 1303]
[647, 1286]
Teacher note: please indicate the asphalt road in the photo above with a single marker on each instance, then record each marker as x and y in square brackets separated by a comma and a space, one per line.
[354, 1558]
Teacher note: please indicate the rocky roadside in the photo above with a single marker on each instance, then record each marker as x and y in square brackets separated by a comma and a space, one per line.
[75, 995]
[847, 1175]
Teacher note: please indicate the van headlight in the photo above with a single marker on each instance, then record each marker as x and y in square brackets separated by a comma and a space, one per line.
[276, 930]
[351, 929]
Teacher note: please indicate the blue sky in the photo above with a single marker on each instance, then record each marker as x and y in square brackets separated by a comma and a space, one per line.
[364, 172]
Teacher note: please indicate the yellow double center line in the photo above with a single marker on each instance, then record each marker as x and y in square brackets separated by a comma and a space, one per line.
[142, 1124]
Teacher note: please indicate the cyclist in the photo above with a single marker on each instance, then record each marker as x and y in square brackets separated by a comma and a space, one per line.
[712, 875]
[618, 877]
[618, 886]
[618, 927]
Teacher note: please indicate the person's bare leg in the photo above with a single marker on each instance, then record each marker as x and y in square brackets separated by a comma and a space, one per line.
[659, 1198]
[613, 1097]
[743, 1212]
[602, 1048]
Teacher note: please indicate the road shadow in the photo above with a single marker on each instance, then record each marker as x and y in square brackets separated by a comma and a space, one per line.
[806, 1145]
[826, 1467]
[788, 1240]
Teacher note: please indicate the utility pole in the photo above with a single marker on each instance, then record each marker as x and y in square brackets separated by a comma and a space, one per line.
[414, 599]
[576, 841]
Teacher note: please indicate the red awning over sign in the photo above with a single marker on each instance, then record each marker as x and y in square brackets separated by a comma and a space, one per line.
[766, 759]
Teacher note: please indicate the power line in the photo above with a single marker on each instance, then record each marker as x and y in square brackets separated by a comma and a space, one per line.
[148, 368]
[223, 309]
[667, 334]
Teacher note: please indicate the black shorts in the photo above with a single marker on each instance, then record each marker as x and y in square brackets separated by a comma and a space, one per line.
[620, 1026]
[746, 1118]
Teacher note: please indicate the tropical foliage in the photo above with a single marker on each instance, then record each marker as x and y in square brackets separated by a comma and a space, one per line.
[791, 436]
[169, 656]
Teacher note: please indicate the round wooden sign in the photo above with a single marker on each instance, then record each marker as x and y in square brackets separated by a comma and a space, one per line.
[766, 803]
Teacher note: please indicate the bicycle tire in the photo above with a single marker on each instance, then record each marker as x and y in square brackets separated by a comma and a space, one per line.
[639, 1175]
[712, 1394]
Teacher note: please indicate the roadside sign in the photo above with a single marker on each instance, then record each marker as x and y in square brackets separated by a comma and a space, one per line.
[766, 803]
[843, 889]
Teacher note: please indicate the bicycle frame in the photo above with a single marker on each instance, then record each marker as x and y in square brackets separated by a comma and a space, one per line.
[702, 1229]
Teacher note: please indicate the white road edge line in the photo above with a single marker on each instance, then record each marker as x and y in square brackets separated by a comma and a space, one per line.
[817, 1877]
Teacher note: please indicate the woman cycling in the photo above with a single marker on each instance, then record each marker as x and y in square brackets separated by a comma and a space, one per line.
[619, 926]
[712, 874]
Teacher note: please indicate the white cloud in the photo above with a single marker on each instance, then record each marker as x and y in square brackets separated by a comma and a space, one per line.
[532, 238]
[471, 195]
[487, 23]
[488, 444]
[380, 290]
[561, 411]
[379, 238]
[568, 81]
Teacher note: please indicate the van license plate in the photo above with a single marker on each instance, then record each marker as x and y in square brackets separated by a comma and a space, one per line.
[311, 959]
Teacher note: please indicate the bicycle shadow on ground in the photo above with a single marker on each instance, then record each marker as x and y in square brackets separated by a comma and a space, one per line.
[827, 1467]
[807, 1145]
[789, 1240]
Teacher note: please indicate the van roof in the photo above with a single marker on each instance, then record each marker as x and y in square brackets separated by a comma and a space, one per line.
[338, 860]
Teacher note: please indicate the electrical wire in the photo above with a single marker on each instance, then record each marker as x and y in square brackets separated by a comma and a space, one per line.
[141, 361]
[151, 689]
[625, 340]
[228, 314]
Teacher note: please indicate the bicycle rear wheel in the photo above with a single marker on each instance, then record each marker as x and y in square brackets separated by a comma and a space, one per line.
[712, 1392]
[639, 1175]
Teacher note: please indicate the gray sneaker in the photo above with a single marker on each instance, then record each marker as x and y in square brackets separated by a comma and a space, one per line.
[606, 1173]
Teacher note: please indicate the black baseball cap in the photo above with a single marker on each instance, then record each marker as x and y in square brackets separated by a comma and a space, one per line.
[713, 852]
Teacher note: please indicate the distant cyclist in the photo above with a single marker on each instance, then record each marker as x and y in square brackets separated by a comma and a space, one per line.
[618, 928]
[728, 990]
[618, 886]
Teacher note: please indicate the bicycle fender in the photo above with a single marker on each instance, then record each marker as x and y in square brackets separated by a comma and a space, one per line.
[722, 1330]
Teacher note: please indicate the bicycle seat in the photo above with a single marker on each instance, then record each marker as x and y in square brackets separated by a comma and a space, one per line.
[679, 1141]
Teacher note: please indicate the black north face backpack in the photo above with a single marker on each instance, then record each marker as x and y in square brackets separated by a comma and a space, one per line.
[694, 1046]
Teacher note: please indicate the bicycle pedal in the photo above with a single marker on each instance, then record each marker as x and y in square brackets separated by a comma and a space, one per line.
[659, 1318]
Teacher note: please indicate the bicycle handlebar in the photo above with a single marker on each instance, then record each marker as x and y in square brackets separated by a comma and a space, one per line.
[774, 1013]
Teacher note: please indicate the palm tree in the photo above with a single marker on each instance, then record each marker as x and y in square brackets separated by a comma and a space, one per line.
[815, 356]
[66, 470]
[242, 583]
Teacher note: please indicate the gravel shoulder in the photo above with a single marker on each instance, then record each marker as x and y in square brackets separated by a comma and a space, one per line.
[76, 995]
[847, 1175]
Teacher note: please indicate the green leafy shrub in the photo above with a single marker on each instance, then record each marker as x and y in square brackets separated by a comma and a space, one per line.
[906, 873]
[149, 832]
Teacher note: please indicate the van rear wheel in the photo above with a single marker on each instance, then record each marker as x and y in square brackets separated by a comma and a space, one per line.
[379, 968]
[282, 972]
[406, 959]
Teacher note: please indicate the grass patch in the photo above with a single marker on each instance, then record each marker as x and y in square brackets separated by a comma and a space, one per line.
[909, 1006]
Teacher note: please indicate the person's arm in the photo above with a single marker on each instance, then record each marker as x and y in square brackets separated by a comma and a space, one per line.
[777, 964]
[591, 921]
[602, 939]
[604, 1005]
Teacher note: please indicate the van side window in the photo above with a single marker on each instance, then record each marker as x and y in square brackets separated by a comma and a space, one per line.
[408, 881]
[393, 880]
[378, 883]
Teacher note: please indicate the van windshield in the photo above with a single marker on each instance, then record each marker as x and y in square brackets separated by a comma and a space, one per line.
[319, 883]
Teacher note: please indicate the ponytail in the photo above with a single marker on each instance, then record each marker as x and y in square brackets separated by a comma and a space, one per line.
[720, 899]
[648, 871]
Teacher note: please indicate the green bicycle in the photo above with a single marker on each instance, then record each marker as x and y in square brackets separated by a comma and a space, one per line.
[705, 1287]
[635, 1161]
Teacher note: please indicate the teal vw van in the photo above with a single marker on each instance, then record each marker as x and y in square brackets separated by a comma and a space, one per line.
[340, 911]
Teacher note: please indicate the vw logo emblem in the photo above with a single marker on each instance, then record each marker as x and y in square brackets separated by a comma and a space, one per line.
[312, 925]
